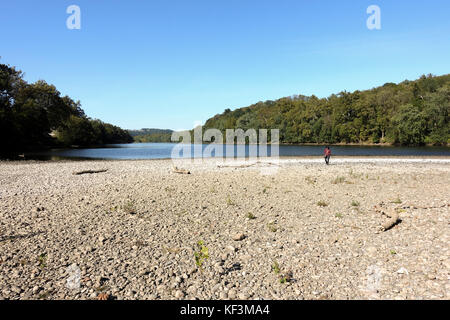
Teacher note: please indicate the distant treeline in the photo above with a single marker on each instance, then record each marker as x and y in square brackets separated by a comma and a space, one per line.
[35, 116]
[151, 135]
[409, 113]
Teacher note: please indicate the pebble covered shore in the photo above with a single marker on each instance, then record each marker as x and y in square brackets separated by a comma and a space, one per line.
[296, 229]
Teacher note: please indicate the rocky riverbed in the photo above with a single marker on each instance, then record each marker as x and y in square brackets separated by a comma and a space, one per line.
[295, 229]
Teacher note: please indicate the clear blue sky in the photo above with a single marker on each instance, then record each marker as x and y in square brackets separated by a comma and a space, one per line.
[167, 63]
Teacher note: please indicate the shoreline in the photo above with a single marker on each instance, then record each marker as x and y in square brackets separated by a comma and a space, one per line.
[286, 159]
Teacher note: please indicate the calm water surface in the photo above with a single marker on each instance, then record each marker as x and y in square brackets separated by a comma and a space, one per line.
[164, 151]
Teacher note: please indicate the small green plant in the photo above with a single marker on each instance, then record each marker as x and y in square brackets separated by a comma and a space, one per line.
[276, 267]
[338, 180]
[251, 216]
[338, 215]
[355, 203]
[322, 203]
[283, 277]
[42, 260]
[129, 207]
[44, 295]
[310, 180]
[354, 175]
[101, 289]
[264, 190]
[201, 254]
[229, 201]
[272, 227]
[283, 280]
[393, 252]
[397, 201]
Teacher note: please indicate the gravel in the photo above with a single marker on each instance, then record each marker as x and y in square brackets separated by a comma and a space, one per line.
[313, 232]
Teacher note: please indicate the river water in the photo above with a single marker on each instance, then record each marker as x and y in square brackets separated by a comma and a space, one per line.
[164, 151]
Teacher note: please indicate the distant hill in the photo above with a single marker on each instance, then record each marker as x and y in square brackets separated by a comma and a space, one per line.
[408, 113]
[151, 135]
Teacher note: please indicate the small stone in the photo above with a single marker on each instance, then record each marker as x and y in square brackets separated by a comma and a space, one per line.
[239, 237]
[231, 249]
[179, 294]
[232, 293]
[143, 272]
[223, 295]
[243, 296]
[402, 270]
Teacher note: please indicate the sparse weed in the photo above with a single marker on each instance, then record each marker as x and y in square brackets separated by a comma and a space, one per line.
[355, 203]
[338, 180]
[276, 267]
[397, 201]
[44, 295]
[272, 227]
[251, 216]
[129, 207]
[310, 180]
[201, 254]
[322, 203]
[229, 201]
[42, 260]
[283, 277]
[338, 215]
[101, 289]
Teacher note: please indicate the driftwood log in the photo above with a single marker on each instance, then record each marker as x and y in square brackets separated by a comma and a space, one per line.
[393, 220]
[181, 171]
[89, 172]
[248, 165]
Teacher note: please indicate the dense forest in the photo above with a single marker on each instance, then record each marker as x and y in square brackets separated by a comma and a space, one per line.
[35, 116]
[151, 135]
[409, 113]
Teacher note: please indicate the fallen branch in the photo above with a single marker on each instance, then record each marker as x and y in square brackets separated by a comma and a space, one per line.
[240, 166]
[251, 165]
[181, 171]
[89, 172]
[394, 220]
[422, 207]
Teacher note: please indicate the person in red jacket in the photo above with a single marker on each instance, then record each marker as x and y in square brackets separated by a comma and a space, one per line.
[327, 154]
